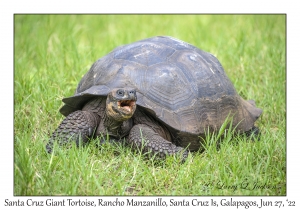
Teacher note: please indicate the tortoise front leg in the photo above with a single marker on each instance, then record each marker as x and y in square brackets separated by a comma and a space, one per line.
[145, 139]
[77, 126]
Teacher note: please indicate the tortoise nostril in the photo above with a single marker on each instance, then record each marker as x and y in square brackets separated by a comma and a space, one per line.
[132, 92]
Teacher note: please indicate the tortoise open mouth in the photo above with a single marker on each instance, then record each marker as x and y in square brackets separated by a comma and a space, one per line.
[126, 105]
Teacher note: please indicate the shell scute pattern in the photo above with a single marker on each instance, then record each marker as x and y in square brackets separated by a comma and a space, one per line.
[182, 86]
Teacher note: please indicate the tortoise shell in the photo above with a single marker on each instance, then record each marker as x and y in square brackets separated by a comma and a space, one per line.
[179, 84]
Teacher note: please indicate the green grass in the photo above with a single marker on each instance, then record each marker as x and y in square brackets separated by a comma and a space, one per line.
[53, 52]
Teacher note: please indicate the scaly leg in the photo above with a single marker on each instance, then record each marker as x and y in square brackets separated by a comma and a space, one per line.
[77, 126]
[145, 139]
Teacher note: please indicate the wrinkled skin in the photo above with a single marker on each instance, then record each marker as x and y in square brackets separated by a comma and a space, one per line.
[118, 118]
[99, 117]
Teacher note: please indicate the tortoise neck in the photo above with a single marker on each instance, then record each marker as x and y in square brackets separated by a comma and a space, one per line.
[112, 125]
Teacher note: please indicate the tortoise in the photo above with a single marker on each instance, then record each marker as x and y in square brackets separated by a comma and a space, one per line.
[159, 94]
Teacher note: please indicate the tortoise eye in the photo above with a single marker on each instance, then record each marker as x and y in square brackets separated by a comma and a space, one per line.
[120, 92]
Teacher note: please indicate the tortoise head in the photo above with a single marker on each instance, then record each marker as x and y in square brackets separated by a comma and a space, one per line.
[121, 103]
